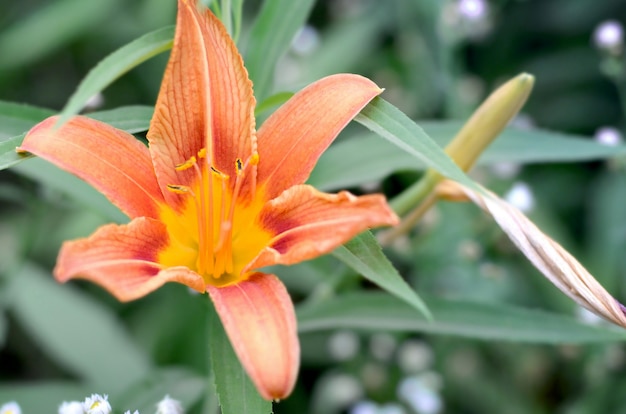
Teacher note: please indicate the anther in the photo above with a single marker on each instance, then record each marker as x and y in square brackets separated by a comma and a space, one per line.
[180, 189]
[254, 158]
[202, 153]
[187, 164]
[219, 174]
[238, 166]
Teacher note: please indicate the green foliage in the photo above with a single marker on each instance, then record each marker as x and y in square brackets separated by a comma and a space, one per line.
[377, 312]
[366, 257]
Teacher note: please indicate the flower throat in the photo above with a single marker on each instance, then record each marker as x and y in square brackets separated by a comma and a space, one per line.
[215, 219]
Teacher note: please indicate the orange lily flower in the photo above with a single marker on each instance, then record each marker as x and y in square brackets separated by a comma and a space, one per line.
[212, 199]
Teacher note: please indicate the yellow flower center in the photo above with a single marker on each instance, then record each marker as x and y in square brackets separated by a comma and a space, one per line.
[203, 236]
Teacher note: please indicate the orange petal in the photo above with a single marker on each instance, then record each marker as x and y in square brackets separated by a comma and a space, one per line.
[122, 259]
[309, 223]
[111, 160]
[260, 321]
[294, 137]
[205, 101]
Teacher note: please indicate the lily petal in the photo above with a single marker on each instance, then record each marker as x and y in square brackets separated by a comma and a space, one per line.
[206, 101]
[122, 259]
[309, 223]
[111, 160]
[260, 322]
[292, 139]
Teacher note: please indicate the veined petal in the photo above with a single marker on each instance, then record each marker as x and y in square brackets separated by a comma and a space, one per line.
[205, 101]
[123, 260]
[260, 322]
[111, 160]
[294, 137]
[309, 223]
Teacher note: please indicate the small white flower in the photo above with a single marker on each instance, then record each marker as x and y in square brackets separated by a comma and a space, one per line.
[97, 404]
[72, 407]
[608, 136]
[343, 345]
[305, 41]
[521, 196]
[609, 36]
[415, 356]
[11, 408]
[95, 102]
[364, 407]
[169, 406]
[128, 412]
[419, 396]
[473, 9]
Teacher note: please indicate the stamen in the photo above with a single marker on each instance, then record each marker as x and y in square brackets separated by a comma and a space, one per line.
[180, 189]
[186, 165]
[254, 159]
[219, 173]
[215, 255]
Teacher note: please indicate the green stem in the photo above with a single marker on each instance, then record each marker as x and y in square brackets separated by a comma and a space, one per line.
[415, 194]
[227, 16]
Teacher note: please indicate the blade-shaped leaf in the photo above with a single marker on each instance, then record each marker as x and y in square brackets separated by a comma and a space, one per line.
[54, 178]
[270, 37]
[15, 118]
[117, 64]
[235, 391]
[75, 331]
[8, 156]
[364, 255]
[52, 25]
[392, 124]
[132, 119]
[375, 311]
[529, 145]
[365, 159]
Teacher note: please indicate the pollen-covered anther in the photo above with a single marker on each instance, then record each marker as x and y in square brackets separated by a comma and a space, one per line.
[187, 164]
[254, 158]
[238, 166]
[219, 174]
[180, 189]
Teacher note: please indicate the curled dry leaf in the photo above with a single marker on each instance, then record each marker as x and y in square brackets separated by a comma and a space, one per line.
[560, 267]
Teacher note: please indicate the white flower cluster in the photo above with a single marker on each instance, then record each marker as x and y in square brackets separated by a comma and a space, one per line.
[98, 404]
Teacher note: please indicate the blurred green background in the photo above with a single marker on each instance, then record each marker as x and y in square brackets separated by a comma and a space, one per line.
[436, 60]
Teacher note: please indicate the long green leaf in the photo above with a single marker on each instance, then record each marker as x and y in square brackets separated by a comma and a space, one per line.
[364, 255]
[132, 119]
[364, 159]
[375, 311]
[270, 37]
[235, 391]
[392, 124]
[54, 178]
[15, 118]
[75, 331]
[117, 64]
[52, 25]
